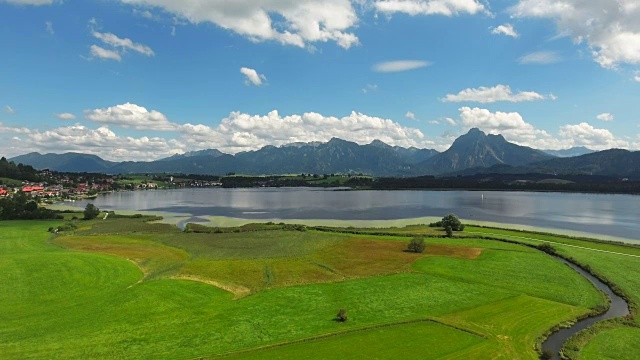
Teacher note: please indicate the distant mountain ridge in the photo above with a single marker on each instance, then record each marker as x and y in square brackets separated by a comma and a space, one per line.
[574, 151]
[471, 153]
[67, 162]
[477, 149]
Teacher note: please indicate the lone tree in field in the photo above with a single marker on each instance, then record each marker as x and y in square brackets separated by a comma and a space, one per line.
[91, 212]
[452, 221]
[416, 245]
[342, 315]
[449, 231]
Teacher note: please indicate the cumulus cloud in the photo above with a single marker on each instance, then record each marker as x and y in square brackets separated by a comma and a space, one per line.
[515, 129]
[494, 94]
[65, 116]
[429, 7]
[5, 129]
[610, 28]
[105, 54]
[131, 116]
[605, 117]
[400, 65]
[252, 76]
[451, 122]
[410, 115]
[243, 132]
[636, 76]
[586, 135]
[122, 43]
[102, 142]
[296, 23]
[9, 110]
[540, 58]
[505, 29]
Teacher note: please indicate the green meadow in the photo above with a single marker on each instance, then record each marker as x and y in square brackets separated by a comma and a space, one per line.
[129, 288]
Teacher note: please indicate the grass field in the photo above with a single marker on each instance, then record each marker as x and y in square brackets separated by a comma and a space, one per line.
[124, 288]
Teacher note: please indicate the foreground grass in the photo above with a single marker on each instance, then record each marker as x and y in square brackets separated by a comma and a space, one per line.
[122, 288]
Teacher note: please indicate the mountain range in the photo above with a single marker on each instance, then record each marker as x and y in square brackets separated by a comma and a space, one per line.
[472, 153]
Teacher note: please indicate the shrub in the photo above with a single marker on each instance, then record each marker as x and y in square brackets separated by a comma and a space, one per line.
[416, 245]
[546, 355]
[449, 231]
[342, 315]
[91, 212]
[452, 221]
[546, 247]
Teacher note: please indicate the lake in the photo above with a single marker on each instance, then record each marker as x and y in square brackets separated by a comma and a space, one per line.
[609, 215]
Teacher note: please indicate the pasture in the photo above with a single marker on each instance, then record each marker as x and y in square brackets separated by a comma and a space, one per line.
[126, 288]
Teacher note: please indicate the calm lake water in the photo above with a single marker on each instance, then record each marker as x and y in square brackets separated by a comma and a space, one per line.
[611, 215]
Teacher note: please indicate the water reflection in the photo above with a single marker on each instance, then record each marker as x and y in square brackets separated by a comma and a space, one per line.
[614, 215]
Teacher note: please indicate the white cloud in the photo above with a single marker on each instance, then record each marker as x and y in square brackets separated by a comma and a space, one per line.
[429, 7]
[4, 129]
[369, 88]
[252, 76]
[400, 65]
[144, 13]
[451, 122]
[102, 142]
[102, 53]
[30, 2]
[65, 116]
[513, 127]
[131, 116]
[124, 44]
[410, 115]
[505, 29]
[9, 110]
[584, 134]
[636, 76]
[540, 58]
[48, 25]
[434, 122]
[495, 94]
[605, 117]
[289, 22]
[243, 132]
[610, 28]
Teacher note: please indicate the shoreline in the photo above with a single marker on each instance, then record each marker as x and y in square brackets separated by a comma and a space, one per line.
[181, 219]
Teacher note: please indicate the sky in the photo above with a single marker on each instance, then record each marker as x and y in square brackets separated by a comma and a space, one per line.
[145, 79]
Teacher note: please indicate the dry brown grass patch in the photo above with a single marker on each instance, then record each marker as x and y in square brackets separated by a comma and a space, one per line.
[454, 251]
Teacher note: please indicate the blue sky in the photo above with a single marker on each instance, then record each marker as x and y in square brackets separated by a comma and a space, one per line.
[143, 79]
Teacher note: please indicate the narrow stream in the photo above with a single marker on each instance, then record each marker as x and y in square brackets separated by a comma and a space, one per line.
[619, 308]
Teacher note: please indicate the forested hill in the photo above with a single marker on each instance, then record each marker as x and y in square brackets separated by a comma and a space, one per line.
[11, 170]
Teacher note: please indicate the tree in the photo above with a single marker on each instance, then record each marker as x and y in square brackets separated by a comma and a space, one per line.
[416, 245]
[342, 315]
[452, 221]
[449, 231]
[91, 212]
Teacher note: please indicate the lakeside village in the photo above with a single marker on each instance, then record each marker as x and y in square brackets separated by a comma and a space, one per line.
[53, 187]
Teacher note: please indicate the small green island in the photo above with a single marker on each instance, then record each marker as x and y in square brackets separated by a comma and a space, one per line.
[131, 287]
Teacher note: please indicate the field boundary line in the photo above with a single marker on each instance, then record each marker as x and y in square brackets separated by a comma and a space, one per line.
[554, 242]
[344, 332]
